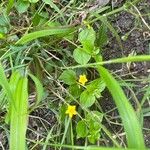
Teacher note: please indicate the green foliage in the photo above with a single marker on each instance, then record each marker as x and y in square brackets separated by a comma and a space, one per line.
[93, 91]
[68, 77]
[39, 90]
[87, 98]
[87, 39]
[22, 6]
[37, 34]
[102, 37]
[129, 118]
[81, 56]
[90, 127]
[17, 116]
[75, 90]
[81, 129]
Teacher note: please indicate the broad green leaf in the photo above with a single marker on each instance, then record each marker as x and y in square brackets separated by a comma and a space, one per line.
[87, 38]
[81, 129]
[68, 77]
[39, 89]
[95, 116]
[42, 33]
[19, 116]
[93, 90]
[81, 56]
[127, 113]
[75, 90]
[22, 6]
[97, 84]
[87, 99]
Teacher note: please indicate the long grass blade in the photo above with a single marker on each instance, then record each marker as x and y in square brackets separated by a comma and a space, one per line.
[129, 118]
[137, 58]
[4, 83]
[42, 33]
[19, 117]
[13, 82]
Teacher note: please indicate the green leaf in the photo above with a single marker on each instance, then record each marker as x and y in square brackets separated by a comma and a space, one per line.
[75, 90]
[10, 5]
[81, 56]
[81, 129]
[5, 85]
[39, 90]
[68, 77]
[94, 136]
[97, 84]
[94, 116]
[94, 119]
[87, 38]
[42, 33]
[14, 79]
[127, 113]
[22, 6]
[93, 90]
[87, 99]
[19, 116]
[102, 37]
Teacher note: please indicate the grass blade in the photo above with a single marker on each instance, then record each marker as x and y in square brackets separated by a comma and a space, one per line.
[4, 83]
[114, 32]
[39, 90]
[42, 33]
[19, 116]
[14, 79]
[129, 118]
[10, 5]
[137, 58]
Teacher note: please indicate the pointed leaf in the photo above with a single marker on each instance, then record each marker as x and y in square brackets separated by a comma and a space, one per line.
[129, 118]
[39, 89]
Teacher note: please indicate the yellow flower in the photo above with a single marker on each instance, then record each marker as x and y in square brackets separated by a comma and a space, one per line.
[71, 110]
[82, 79]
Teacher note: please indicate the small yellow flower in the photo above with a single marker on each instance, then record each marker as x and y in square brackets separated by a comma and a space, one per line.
[71, 110]
[82, 79]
